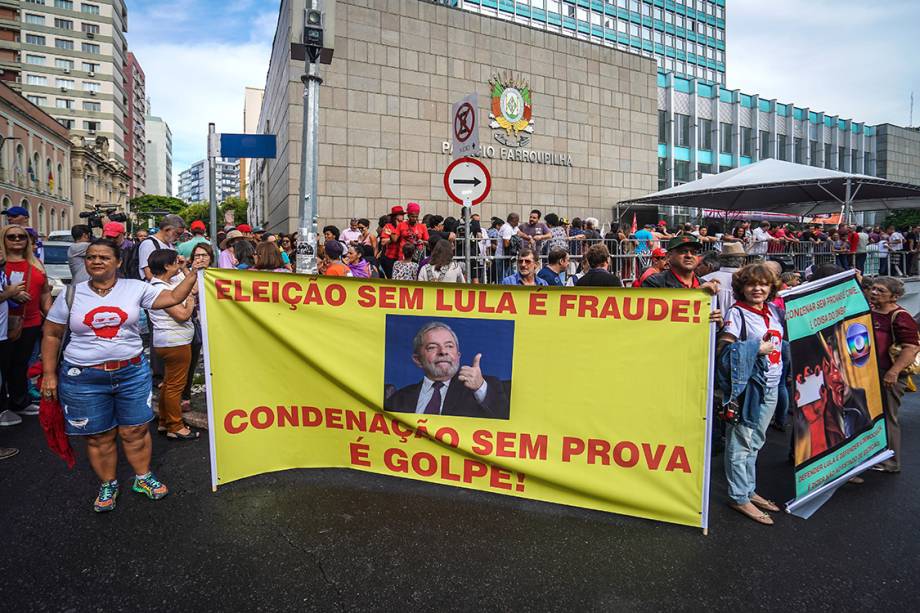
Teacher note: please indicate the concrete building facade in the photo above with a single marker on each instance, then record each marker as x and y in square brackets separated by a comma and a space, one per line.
[72, 55]
[158, 156]
[252, 106]
[193, 181]
[35, 163]
[10, 29]
[898, 153]
[587, 140]
[683, 36]
[98, 178]
[135, 138]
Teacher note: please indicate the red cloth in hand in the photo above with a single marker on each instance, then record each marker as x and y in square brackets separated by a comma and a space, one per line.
[51, 417]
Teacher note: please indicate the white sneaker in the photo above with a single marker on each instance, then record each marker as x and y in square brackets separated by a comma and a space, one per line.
[32, 409]
[8, 418]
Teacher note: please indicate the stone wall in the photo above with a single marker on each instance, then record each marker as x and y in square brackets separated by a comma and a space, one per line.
[386, 104]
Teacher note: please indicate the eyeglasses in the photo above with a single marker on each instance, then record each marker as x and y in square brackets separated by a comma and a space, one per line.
[16, 237]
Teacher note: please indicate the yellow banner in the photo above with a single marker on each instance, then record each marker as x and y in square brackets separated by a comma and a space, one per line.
[592, 398]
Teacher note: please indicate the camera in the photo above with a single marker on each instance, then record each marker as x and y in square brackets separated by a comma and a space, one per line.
[94, 218]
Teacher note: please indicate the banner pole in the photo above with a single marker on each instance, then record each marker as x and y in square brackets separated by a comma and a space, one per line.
[208, 384]
[707, 448]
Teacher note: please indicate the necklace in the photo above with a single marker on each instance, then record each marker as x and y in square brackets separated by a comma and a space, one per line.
[101, 291]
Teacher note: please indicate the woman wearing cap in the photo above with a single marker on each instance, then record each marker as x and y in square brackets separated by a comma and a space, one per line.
[104, 380]
[28, 308]
[173, 333]
[227, 259]
[390, 240]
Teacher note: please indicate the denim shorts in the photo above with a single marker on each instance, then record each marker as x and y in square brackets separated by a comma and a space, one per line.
[95, 401]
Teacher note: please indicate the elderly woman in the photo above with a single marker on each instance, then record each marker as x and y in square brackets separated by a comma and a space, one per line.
[26, 310]
[752, 358]
[892, 325]
[104, 381]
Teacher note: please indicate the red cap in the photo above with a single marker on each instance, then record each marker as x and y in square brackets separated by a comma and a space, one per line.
[244, 227]
[413, 208]
[662, 223]
[397, 210]
[113, 229]
[658, 252]
[198, 225]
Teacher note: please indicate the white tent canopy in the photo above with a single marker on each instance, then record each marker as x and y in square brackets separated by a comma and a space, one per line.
[783, 187]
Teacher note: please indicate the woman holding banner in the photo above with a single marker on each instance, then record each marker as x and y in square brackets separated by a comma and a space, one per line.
[752, 356]
[104, 380]
[892, 325]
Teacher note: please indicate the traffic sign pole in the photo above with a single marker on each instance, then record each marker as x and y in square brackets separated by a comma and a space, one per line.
[467, 213]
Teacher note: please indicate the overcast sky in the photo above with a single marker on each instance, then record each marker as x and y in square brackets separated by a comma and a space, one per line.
[853, 58]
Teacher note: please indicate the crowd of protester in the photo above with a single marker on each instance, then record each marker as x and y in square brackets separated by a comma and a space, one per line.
[141, 290]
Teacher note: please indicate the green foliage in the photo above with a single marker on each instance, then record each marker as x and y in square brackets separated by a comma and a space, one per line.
[238, 206]
[151, 203]
[904, 217]
[198, 211]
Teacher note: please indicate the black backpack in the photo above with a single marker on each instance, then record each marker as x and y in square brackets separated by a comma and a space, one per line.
[130, 260]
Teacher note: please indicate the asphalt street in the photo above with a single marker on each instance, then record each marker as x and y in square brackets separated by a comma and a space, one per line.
[339, 540]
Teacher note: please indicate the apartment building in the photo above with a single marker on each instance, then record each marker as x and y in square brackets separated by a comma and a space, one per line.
[135, 139]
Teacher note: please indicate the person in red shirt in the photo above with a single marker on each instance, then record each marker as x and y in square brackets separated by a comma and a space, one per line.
[412, 231]
[333, 256]
[659, 264]
[29, 306]
[389, 241]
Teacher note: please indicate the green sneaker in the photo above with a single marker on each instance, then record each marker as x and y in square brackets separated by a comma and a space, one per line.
[105, 501]
[150, 486]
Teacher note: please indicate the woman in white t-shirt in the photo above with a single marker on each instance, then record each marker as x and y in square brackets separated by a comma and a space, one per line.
[173, 332]
[104, 381]
[753, 319]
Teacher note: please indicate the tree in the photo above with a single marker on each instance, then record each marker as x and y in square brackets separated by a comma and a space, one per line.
[239, 207]
[151, 203]
[197, 211]
[903, 218]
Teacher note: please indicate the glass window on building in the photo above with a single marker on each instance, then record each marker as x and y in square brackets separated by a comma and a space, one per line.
[634, 30]
[63, 24]
[63, 64]
[724, 168]
[35, 39]
[682, 129]
[90, 48]
[657, 37]
[634, 6]
[64, 83]
[662, 173]
[828, 155]
[92, 106]
[657, 14]
[725, 138]
[63, 43]
[781, 147]
[64, 103]
[38, 60]
[854, 160]
[668, 17]
[90, 28]
[90, 67]
[813, 153]
[841, 158]
[681, 172]
[765, 152]
[63, 4]
[867, 164]
[91, 9]
[703, 169]
[67, 123]
[746, 137]
[663, 127]
[798, 150]
[36, 100]
[34, 79]
[705, 136]
[621, 26]
[90, 87]
[38, 20]
[91, 125]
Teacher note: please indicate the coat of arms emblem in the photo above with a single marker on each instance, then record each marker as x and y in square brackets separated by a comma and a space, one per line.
[512, 115]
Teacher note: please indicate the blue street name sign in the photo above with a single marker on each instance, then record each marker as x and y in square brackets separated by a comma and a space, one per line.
[247, 146]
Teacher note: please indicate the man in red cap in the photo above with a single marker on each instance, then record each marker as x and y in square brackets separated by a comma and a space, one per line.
[659, 264]
[389, 239]
[116, 231]
[199, 230]
[246, 229]
[411, 231]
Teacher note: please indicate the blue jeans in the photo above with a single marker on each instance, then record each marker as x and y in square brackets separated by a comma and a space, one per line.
[95, 401]
[741, 446]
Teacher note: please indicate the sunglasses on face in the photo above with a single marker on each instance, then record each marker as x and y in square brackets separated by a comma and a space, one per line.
[16, 237]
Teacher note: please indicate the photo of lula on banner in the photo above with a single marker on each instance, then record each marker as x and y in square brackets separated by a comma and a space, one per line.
[452, 386]
[839, 424]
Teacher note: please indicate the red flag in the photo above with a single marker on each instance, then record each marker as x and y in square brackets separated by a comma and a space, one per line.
[51, 417]
[632, 230]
